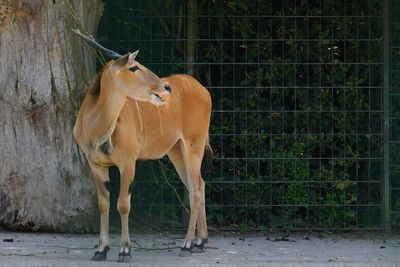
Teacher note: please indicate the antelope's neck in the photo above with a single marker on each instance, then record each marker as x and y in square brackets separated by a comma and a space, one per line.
[102, 118]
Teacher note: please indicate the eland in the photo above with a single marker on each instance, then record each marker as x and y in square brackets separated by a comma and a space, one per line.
[131, 114]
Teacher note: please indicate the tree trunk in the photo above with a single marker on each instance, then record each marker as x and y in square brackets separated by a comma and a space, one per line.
[44, 183]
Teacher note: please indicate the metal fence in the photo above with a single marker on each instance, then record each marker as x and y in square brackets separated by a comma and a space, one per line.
[300, 93]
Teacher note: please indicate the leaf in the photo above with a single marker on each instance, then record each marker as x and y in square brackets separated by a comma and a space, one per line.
[342, 185]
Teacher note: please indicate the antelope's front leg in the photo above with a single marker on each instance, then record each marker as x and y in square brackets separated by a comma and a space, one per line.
[124, 206]
[101, 179]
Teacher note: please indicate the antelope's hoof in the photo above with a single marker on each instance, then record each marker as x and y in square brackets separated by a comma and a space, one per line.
[185, 252]
[100, 255]
[199, 246]
[125, 256]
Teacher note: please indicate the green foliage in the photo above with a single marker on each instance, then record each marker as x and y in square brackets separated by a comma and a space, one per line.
[296, 88]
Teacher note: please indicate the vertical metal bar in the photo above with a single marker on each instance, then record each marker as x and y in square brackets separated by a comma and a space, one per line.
[258, 123]
[272, 219]
[191, 35]
[386, 114]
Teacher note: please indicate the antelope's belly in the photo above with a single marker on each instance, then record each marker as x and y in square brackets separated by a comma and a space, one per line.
[156, 148]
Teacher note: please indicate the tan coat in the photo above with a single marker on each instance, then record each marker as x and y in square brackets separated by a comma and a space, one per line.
[130, 114]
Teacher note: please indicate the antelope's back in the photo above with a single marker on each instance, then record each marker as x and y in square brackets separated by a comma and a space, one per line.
[189, 91]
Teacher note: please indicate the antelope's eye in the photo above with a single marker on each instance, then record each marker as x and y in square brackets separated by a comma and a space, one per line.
[134, 68]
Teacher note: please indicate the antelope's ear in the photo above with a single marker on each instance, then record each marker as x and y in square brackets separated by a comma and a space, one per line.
[132, 56]
[122, 61]
[131, 59]
[127, 60]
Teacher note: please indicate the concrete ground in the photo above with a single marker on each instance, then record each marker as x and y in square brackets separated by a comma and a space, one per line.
[38, 249]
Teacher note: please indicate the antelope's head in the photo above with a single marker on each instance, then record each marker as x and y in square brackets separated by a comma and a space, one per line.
[128, 77]
[133, 80]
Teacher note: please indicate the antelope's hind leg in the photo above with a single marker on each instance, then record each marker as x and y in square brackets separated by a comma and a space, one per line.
[202, 233]
[124, 206]
[193, 155]
[101, 180]
[197, 246]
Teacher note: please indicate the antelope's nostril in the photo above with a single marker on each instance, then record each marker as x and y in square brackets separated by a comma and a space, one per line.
[168, 87]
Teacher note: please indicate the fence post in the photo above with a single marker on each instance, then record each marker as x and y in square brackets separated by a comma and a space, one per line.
[386, 114]
[191, 35]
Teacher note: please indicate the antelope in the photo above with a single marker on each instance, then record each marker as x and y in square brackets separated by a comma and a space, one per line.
[131, 114]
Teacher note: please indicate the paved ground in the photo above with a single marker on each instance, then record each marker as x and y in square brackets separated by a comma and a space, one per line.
[28, 249]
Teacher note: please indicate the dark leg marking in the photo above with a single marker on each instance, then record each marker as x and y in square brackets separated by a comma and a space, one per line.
[101, 255]
[106, 147]
[125, 256]
[199, 245]
[107, 185]
[186, 249]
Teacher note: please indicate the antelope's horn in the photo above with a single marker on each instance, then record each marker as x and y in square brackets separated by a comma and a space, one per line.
[92, 42]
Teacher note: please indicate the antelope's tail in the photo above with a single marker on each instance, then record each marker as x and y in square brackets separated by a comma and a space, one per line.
[206, 164]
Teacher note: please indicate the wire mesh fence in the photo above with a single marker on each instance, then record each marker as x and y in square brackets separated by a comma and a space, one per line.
[297, 122]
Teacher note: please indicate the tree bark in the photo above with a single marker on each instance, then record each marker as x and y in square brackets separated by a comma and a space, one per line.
[44, 68]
